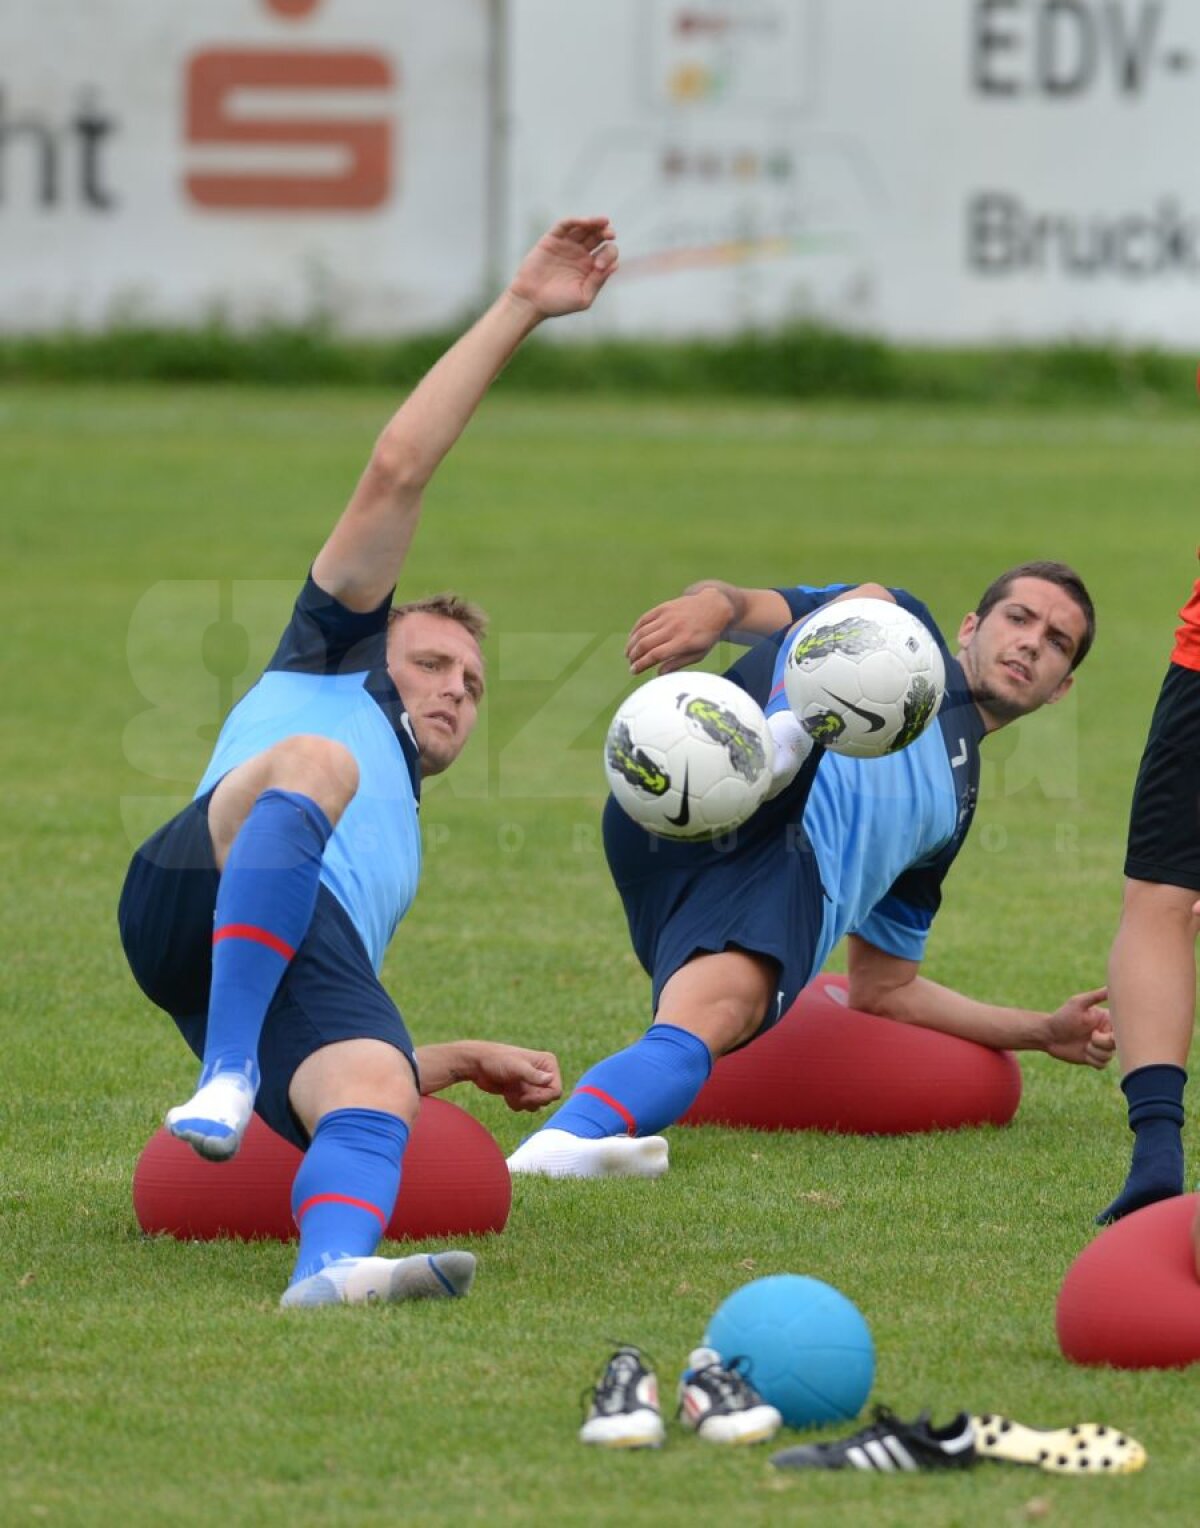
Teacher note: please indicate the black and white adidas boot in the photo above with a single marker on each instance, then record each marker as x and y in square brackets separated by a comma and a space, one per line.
[889, 1446]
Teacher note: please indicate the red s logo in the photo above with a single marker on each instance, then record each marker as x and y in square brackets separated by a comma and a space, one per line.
[362, 179]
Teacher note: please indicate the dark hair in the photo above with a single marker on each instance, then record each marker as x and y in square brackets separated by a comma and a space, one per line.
[452, 606]
[1057, 573]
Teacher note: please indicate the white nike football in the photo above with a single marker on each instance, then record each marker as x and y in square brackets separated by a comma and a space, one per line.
[864, 677]
[689, 755]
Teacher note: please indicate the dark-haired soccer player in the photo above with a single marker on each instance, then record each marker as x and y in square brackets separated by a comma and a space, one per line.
[259, 916]
[730, 931]
[1152, 964]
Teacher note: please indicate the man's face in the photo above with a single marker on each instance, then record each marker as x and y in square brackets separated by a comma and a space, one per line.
[1019, 656]
[436, 665]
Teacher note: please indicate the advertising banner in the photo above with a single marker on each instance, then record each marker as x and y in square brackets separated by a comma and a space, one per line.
[940, 170]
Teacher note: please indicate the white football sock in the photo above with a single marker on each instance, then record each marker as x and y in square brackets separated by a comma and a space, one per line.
[214, 1119]
[381, 1280]
[558, 1154]
[792, 747]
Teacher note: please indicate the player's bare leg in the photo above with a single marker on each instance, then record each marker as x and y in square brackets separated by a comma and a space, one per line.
[1152, 975]
[1152, 998]
[722, 999]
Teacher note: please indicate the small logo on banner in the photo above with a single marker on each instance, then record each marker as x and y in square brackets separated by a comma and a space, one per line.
[258, 145]
[361, 173]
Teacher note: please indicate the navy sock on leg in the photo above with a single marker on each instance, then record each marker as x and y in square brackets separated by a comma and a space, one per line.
[640, 1090]
[345, 1190]
[1155, 1097]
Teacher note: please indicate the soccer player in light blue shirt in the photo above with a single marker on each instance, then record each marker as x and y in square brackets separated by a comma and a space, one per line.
[730, 932]
[259, 916]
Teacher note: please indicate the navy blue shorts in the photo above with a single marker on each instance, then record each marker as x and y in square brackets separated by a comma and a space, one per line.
[1164, 823]
[329, 991]
[757, 891]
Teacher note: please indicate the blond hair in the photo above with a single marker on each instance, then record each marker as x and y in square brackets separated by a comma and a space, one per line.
[471, 617]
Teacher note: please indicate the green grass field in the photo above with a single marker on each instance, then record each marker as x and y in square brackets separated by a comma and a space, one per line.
[154, 541]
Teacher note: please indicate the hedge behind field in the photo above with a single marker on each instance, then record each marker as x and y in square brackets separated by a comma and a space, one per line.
[801, 361]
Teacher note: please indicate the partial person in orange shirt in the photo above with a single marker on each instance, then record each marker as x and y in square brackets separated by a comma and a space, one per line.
[1152, 966]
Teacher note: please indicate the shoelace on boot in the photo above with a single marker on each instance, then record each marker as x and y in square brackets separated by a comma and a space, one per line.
[727, 1382]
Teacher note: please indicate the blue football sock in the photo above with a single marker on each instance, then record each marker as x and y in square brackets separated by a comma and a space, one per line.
[639, 1090]
[265, 903]
[1155, 1097]
[345, 1190]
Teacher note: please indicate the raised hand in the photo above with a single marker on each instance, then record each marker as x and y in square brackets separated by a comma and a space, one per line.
[567, 267]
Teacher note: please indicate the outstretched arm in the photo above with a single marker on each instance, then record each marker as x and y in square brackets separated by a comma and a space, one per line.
[526, 1079]
[686, 629]
[879, 983]
[563, 273]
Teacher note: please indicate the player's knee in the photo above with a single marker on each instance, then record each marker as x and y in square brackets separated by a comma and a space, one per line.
[723, 998]
[732, 1021]
[1158, 903]
[354, 1074]
[318, 767]
[871, 591]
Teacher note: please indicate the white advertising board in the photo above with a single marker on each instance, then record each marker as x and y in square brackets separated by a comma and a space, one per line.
[945, 170]
[263, 158]
[935, 169]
